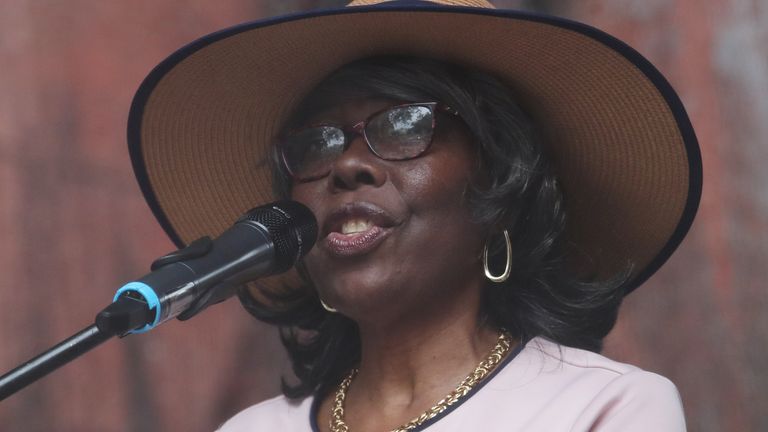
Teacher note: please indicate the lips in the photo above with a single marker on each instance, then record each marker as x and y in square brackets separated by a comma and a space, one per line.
[356, 229]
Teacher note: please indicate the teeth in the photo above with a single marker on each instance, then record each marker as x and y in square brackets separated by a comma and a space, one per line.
[355, 226]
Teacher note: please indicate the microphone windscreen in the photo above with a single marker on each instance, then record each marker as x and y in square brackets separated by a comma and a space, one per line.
[292, 227]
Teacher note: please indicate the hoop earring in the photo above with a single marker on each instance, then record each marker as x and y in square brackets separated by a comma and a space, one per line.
[507, 268]
[326, 307]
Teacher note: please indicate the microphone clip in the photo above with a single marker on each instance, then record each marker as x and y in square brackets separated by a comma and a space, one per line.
[196, 249]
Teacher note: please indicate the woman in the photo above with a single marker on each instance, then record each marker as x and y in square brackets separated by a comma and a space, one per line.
[455, 284]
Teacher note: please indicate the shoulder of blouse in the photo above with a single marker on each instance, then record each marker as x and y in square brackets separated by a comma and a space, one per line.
[278, 413]
[634, 402]
[623, 397]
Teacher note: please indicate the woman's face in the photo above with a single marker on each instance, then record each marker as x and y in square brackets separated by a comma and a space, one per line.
[394, 235]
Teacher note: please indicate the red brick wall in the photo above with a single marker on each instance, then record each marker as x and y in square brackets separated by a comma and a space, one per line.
[702, 320]
[74, 227]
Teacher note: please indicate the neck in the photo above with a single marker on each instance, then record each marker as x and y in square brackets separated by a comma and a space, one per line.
[411, 362]
[414, 340]
[404, 366]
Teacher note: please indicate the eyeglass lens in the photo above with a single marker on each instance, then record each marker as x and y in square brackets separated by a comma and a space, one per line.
[399, 133]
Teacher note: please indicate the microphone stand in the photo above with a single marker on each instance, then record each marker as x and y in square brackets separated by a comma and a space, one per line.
[128, 313]
[50, 360]
[119, 318]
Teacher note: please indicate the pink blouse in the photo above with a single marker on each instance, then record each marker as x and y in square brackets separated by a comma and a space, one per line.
[545, 387]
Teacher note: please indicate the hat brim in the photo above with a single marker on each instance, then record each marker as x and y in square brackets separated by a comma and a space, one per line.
[202, 122]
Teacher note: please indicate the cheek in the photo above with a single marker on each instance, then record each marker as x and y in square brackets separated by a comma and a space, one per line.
[307, 194]
[441, 228]
[439, 185]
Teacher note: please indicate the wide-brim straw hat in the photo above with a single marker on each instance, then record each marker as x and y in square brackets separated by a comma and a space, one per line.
[202, 122]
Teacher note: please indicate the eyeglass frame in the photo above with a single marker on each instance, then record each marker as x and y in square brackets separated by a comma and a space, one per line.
[350, 131]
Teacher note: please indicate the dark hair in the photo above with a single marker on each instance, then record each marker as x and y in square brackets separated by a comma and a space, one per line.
[519, 193]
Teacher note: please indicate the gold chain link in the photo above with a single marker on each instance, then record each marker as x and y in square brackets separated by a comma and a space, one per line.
[499, 351]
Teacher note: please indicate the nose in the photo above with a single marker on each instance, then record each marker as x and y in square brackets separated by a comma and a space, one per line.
[357, 166]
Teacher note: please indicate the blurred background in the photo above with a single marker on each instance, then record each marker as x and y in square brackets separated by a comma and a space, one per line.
[74, 226]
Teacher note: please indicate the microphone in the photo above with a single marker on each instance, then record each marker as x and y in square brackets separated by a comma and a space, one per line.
[267, 240]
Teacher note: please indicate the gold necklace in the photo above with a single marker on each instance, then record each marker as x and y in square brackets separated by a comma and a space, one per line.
[499, 351]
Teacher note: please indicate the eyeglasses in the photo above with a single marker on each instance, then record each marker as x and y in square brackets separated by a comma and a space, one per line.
[397, 133]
